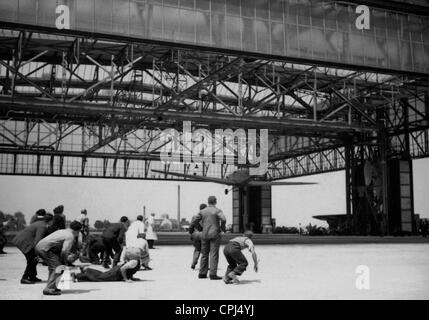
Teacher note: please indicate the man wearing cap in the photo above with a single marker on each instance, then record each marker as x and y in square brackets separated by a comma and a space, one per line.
[38, 216]
[237, 262]
[213, 222]
[113, 239]
[59, 220]
[55, 250]
[26, 240]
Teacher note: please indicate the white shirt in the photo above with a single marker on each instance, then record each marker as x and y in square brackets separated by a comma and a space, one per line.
[133, 231]
[82, 218]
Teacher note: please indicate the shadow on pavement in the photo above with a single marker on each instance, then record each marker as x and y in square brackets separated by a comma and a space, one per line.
[78, 291]
[249, 281]
[142, 280]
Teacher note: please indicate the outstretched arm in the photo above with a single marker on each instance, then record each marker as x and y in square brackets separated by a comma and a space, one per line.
[122, 258]
[129, 265]
[255, 259]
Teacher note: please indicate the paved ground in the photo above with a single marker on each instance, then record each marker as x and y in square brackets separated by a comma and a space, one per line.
[397, 271]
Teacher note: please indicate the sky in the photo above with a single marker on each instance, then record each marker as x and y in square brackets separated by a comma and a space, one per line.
[112, 198]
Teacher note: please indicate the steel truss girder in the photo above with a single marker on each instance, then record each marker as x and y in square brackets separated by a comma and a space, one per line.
[154, 87]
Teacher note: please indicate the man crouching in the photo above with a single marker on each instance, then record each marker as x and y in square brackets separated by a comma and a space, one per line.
[55, 250]
[237, 262]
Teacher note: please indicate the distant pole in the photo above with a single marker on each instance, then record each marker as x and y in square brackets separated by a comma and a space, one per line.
[178, 204]
[144, 213]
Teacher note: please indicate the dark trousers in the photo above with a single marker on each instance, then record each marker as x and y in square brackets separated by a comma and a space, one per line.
[52, 259]
[113, 274]
[197, 251]
[3, 241]
[150, 243]
[111, 245]
[95, 248]
[31, 269]
[237, 262]
[209, 251]
[93, 275]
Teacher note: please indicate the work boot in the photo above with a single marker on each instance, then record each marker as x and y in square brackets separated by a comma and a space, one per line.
[215, 277]
[35, 279]
[202, 276]
[234, 277]
[26, 281]
[227, 280]
[51, 292]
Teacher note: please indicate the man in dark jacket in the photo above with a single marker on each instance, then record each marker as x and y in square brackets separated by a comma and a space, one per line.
[113, 239]
[3, 239]
[26, 240]
[213, 222]
[94, 248]
[195, 231]
[38, 216]
[59, 221]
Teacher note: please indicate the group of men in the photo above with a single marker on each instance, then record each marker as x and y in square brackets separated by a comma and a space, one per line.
[47, 239]
[206, 232]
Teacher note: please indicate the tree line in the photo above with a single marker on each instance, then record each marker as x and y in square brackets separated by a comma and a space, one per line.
[17, 221]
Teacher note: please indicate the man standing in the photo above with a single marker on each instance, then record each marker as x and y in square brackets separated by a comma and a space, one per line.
[213, 222]
[38, 216]
[150, 233]
[55, 250]
[135, 228]
[113, 239]
[195, 232]
[84, 221]
[3, 239]
[26, 240]
[59, 220]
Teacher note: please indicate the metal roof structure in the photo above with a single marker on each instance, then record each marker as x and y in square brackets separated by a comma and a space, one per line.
[92, 100]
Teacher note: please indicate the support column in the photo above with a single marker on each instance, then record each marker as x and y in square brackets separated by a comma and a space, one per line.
[384, 228]
[400, 193]
[252, 209]
[348, 164]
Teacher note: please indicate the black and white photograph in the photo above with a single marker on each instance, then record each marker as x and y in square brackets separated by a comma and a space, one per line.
[214, 150]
